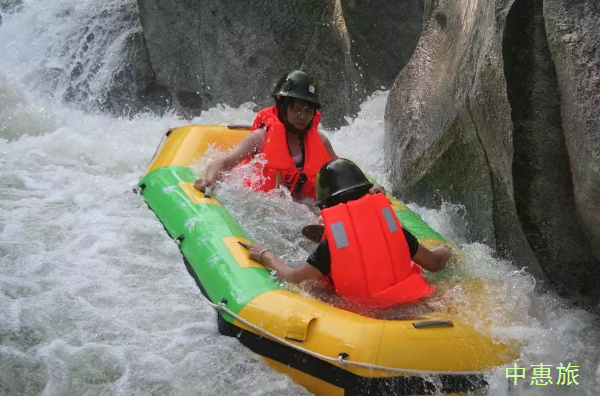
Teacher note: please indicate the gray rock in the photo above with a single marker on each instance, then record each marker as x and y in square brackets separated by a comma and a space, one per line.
[131, 88]
[543, 183]
[573, 30]
[233, 52]
[107, 66]
[474, 118]
[211, 52]
[383, 35]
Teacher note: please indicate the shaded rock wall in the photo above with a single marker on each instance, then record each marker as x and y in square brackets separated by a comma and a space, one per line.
[475, 118]
[383, 37]
[573, 29]
[204, 53]
[543, 184]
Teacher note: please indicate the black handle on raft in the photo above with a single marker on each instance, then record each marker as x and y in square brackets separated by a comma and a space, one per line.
[433, 323]
[139, 189]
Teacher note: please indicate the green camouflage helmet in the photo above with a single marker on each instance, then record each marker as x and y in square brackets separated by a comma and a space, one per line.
[300, 85]
[339, 177]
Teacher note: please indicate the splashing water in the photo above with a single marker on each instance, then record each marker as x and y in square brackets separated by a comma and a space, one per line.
[94, 296]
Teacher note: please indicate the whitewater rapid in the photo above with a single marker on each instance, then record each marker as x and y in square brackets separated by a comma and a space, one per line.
[94, 296]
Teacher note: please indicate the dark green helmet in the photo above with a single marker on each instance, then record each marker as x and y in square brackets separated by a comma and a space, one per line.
[339, 181]
[299, 85]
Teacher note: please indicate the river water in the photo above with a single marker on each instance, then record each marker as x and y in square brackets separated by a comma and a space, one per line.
[95, 298]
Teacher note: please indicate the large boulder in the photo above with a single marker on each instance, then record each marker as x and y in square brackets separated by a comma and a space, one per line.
[573, 29]
[226, 51]
[542, 170]
[474, 118]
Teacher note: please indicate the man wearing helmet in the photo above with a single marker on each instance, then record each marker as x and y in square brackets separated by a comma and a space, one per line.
[365, 252]
[286, 134]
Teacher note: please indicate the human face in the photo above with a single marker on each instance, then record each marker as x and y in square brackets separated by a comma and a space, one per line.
[300, 113]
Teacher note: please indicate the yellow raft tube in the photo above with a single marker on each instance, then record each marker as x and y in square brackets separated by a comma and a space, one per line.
[326, 349]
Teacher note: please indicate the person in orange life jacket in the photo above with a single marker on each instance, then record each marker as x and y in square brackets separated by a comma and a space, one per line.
[362, 253]
[286, 134]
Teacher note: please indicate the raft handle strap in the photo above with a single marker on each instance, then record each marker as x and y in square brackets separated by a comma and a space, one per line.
[179, 239]
[433, 323]
[341, 359]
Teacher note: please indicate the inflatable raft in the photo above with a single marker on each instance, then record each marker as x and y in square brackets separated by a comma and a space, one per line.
[326, 349]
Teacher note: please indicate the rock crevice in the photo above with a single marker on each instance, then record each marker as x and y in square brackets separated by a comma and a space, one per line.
[484, 114]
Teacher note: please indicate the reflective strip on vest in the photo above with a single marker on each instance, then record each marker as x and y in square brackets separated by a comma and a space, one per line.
[339, 235]
[389, 219]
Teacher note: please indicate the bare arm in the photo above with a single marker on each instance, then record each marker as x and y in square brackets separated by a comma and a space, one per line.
[250, 145]
[292, 275]
[433, 260]
[328, 146]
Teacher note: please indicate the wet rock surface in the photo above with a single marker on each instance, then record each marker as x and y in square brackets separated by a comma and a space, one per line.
[573, 30]
[479, 117]
[211, 52]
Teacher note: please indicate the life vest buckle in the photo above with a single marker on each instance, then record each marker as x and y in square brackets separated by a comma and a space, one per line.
[294, 182]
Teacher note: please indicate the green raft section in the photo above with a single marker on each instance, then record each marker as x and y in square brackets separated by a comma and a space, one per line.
[201, 227]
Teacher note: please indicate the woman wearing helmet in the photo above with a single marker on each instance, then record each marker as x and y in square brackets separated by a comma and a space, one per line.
[286, 134]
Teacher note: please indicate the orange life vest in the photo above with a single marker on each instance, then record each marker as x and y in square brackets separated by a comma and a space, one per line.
[370, 258]
[280, 168]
